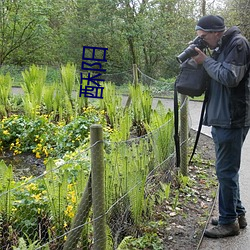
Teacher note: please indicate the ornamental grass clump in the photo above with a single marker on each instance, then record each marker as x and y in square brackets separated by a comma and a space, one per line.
[126, 172]
[141, 106]
[33, 86]
[112, 105]
[68, 75]
[5, 90]
[160, 131]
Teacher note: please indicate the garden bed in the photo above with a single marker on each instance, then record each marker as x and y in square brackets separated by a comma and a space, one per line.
[186, 224]
[179, 220]
[181, 215]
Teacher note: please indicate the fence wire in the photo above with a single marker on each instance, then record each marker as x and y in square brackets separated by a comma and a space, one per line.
[44, 210]
[160, 87]
[40, 211]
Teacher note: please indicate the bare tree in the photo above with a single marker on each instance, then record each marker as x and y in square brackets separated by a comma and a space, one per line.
[19, 23]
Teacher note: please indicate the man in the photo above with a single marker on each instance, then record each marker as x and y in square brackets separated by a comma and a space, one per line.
[228, 112]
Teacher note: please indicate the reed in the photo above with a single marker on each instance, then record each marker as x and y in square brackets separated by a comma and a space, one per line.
[33, 86]
[5, 90]
[6, 196]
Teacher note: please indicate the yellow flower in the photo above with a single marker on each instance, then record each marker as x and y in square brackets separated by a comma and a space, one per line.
[31, 186]
[6, 132]
[37, 196]
[45, 151]
[38, 155]
[26, 178]
[16, 152]
[69, 211]
[103, 112]
[14, 209]
[73, 199]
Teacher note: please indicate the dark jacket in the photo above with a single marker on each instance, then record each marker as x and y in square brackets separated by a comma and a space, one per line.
[229, 90]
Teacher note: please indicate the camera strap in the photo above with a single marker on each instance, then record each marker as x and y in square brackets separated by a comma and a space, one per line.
[176, 127]
[199, 127]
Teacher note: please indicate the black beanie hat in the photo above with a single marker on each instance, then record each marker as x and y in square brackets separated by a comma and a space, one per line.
[211, 23]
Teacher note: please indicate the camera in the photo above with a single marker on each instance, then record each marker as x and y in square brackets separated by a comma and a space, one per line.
[190, 51]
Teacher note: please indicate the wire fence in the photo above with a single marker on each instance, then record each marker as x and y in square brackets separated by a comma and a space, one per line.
[48, 204]
[160, 87]
[55, 210]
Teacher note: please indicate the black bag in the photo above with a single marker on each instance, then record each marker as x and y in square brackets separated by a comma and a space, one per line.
[192, 80]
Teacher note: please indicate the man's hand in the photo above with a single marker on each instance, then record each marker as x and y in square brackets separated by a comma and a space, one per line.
[200, 58]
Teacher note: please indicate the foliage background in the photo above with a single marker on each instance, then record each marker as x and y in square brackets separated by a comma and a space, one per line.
[149, 33]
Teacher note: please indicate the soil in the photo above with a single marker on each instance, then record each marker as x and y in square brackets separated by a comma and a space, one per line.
[25, 164]
[186, 223]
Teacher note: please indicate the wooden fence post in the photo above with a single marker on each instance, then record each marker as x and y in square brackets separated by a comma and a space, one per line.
[98, 194]
[135, 74]
[80, 218]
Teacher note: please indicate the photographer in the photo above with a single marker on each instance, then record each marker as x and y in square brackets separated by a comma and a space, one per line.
[228, 112]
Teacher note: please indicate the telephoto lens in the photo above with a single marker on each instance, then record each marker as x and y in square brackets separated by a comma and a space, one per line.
[190, 50]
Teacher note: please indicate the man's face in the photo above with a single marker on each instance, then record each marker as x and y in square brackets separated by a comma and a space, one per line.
[211, 38]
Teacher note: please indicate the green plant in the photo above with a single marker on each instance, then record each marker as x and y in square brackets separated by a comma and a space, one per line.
[161, 128]
[48, 97]
[176, 199]
[30, 208]
[184, 181]
[45, 138]
[164, 191]
[141, 104]
[6, 204]
[33, 86]
[80, 101]
[6, 184]
[56, 187]
[5, 89]
[23, 246]
[126, 172]
[111, 103]
[147, 241]
[121, 131]
[68, 74]
[64, 185]
[23, 134]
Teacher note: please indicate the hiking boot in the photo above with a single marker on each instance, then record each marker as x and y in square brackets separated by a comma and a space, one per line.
[221, 231]
[241, 219]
